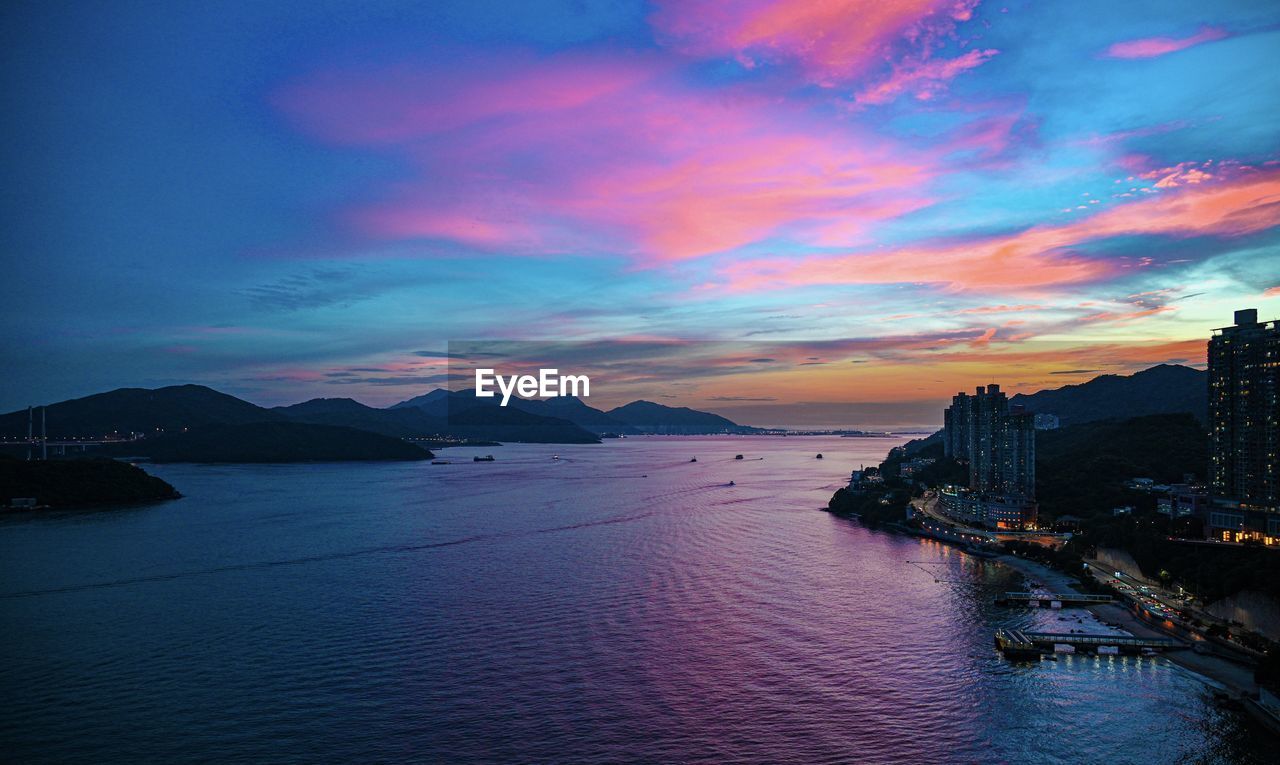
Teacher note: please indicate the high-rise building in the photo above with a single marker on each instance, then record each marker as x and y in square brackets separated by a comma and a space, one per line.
[998, 442]
[1244, 436]
[955, 427]
[1016, 454]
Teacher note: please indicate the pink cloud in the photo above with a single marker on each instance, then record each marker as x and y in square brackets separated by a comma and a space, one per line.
[532, 155]
[1120, 317]
[923, 79]
[833, 41]
[1003, 309]
[1181, 174]
[1038, 258]
[1150, 47]
[1272, 292]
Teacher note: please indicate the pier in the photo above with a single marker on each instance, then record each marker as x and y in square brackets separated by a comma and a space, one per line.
[1052, 600]
[1018, 644]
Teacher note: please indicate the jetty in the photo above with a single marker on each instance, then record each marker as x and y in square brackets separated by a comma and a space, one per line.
[1019, 644]
[1052, 599]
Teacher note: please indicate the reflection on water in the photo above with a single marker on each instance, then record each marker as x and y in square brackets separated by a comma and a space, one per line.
[618, 604]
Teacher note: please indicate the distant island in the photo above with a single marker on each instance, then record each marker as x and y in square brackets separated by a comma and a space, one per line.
[77, 483]
[194, 423]
[265, 442]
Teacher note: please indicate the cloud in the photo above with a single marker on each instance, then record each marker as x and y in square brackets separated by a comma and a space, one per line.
[741, 398]
[1272, 291]
[832, 42]
[1181, 174]
[1038, 258]
[1075, 371]
[923, 79]
[579, 152]
[1150, 47]
[1002, 309]
[317, 288]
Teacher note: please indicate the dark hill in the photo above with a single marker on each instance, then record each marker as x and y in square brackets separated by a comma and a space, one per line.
[467, 416]
[574, 410]
[1163, 389]
[506, 423]
[408, 422]
[1081, 470]
[648, 417]
[139, 410]
[79, 483]
[273, 442]
[424, 400]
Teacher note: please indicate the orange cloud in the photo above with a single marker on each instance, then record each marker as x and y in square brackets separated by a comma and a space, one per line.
[1037, 257]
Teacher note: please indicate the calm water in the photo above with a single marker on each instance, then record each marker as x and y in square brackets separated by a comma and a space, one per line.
[554, 611]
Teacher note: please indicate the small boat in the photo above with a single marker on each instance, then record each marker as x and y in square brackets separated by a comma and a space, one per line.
[441, 462]
[555, 456]
[738, 457]
[695, 459]
[819, 456]
[731, 483]
[486, 458]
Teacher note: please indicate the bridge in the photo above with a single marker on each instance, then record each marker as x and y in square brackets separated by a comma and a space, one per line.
[1052, 600]
[1018, 644]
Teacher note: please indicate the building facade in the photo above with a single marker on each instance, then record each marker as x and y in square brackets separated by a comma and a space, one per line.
[998, 442]
[1244, 435]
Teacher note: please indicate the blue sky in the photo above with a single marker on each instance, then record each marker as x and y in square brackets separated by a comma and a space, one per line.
[267, 197]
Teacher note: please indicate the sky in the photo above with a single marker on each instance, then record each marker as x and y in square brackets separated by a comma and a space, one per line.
[847, 207]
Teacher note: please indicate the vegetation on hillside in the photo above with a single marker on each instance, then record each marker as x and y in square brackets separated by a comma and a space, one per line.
[273, 442]
[1082, 470]
[79, 482]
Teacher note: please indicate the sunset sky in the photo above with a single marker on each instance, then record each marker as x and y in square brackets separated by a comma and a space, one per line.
[862, 204]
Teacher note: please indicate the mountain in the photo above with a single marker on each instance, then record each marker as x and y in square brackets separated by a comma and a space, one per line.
[408, 422]
[648, 417]
[466, 416]
[139, 410]
[1163, 389]
[1081, 469]
[506, 423]
[572, 408]
[271, 442]
[426, 399]
[80, 482]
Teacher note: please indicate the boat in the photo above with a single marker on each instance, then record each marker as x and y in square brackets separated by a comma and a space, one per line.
[486, 458]
[695, 459]
[738, 457]
[819, 456]
[731, 483]
[555, 456]
[441, 462]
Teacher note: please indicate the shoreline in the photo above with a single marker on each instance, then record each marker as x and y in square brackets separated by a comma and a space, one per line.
[1214, 671]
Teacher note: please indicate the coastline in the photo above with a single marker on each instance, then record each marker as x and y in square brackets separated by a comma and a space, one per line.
[1215, 671]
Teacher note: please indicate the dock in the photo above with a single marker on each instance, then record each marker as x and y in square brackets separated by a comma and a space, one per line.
[1052, 600]
[1019, 644]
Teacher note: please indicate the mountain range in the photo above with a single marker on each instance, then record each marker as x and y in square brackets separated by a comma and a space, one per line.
[197, 423]
[631, 419]
[1162, 389]
[186, 420]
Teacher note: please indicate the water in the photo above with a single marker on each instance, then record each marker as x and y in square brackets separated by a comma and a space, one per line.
[539, 610]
